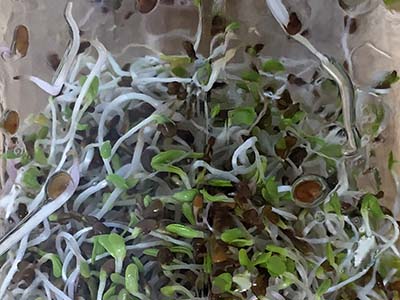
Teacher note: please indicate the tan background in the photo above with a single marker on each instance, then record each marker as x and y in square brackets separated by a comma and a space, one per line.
[166, 26]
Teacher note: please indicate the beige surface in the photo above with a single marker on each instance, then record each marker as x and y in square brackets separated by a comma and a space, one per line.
[165, 26]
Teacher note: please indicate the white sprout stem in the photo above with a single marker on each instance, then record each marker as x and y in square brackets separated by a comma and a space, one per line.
[14, 267]
[70, 283]
[132, 131]
[60, 294]
[348, 281]
[43, 236]
[87, 193]
[102, 285]
[109, 203]
[75, 120]
[42, 214]
[169, 239]
[55, 89]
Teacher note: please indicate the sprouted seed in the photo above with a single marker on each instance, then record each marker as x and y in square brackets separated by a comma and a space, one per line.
[192, 177]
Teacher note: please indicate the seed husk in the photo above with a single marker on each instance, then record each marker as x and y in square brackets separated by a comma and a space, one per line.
[21, 40]
[308, 191]
[146, 6]
[57, 184]
[11, 121]
[294, 26]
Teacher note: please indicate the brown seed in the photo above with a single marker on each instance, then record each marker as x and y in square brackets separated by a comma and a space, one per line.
[54, 60]
[147, 156]
[167, 129]
[188, 46]
[353, 24]
[307, 191]
[198, 201]
[251, 217]
[147, 225]
[219, 251]
[293, 79]
[285, 101]
[145, 6]
[270, 215]
[298, 155]
[21, 40]
[22, 210]
[218, 25]
[173, 87]
[294, 26]
[11, 121]
[126, 81]
[57, 184]
[260, 285]
[83, 46]
[165, 256]
[154, 210]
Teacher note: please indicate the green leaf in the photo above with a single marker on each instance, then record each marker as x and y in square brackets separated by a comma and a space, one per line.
[30, 180]
[167, 157]
[276, 266]
[93, 89]
[131, 182]
[244, 259]
[132, 279]
[270, 190]
[330, 255]
[254, 90]
[204, 73]
[82, 127]
[276, 249]
[185, 231]
[222, 283]
[187, 210]
[97, 249]
[168, 291]
[332, 150]
[151, 252]
[219, 183]
[261, 259]
[251, 75]
[180, 72]
[42, 134]
[390, 78]
[232, 26]
[371, 204]
[176, 60]
[116, 162]
[215, 110]
[324, 286]
[161, 119]
[273, 66]
[117, 279]
[57, 265]
[105, 150]
[243, 281]
[117, 181]
[138, 263]
[207, 264]
[236, 237]
[242, 116]
[114, 244]
[216, 198]
[182, 249]
[110, 293]
[333, 205]
[39, 155]
[84, 269]
[185, 196]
